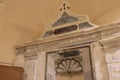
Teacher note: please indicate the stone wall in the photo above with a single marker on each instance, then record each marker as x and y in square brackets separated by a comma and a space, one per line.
[105, 51]
[113, 64]
[111, 48]
[40, 66]
[99, 63]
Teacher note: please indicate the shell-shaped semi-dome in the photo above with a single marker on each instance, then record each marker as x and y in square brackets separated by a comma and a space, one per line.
[68, 65]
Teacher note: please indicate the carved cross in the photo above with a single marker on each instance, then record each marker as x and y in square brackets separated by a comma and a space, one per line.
[64, 7]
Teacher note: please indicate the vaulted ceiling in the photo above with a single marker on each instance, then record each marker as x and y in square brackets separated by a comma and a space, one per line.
[25, 20]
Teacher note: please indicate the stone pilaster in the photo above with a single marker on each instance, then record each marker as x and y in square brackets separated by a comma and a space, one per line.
[99, 63]
[40, 66]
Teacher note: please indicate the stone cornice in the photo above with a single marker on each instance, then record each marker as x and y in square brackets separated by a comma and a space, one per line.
[96, 30]
[110, 43]
[86, 36]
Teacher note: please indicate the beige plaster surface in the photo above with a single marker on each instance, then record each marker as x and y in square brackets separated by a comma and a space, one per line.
[24, 20]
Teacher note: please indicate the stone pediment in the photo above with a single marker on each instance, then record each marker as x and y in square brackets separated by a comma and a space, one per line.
[72, 45]
[67, 23]
[72, 34]
[64, 19]
[101, 33]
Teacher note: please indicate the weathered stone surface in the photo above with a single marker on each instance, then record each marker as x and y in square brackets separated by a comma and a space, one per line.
[40, 66]
[114, 67]
[114, 75]
[104, 42]
[109, 57]
[30, 69]
[99, 63]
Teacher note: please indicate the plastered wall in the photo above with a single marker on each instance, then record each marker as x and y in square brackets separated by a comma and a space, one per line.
[25, 20]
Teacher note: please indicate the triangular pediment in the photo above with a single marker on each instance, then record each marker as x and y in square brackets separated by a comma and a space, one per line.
[65, 18]
[68, 22]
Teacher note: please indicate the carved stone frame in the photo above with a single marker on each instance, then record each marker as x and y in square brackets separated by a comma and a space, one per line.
[88, 74]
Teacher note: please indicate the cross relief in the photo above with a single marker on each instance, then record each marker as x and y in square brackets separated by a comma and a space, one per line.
[64, 7]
